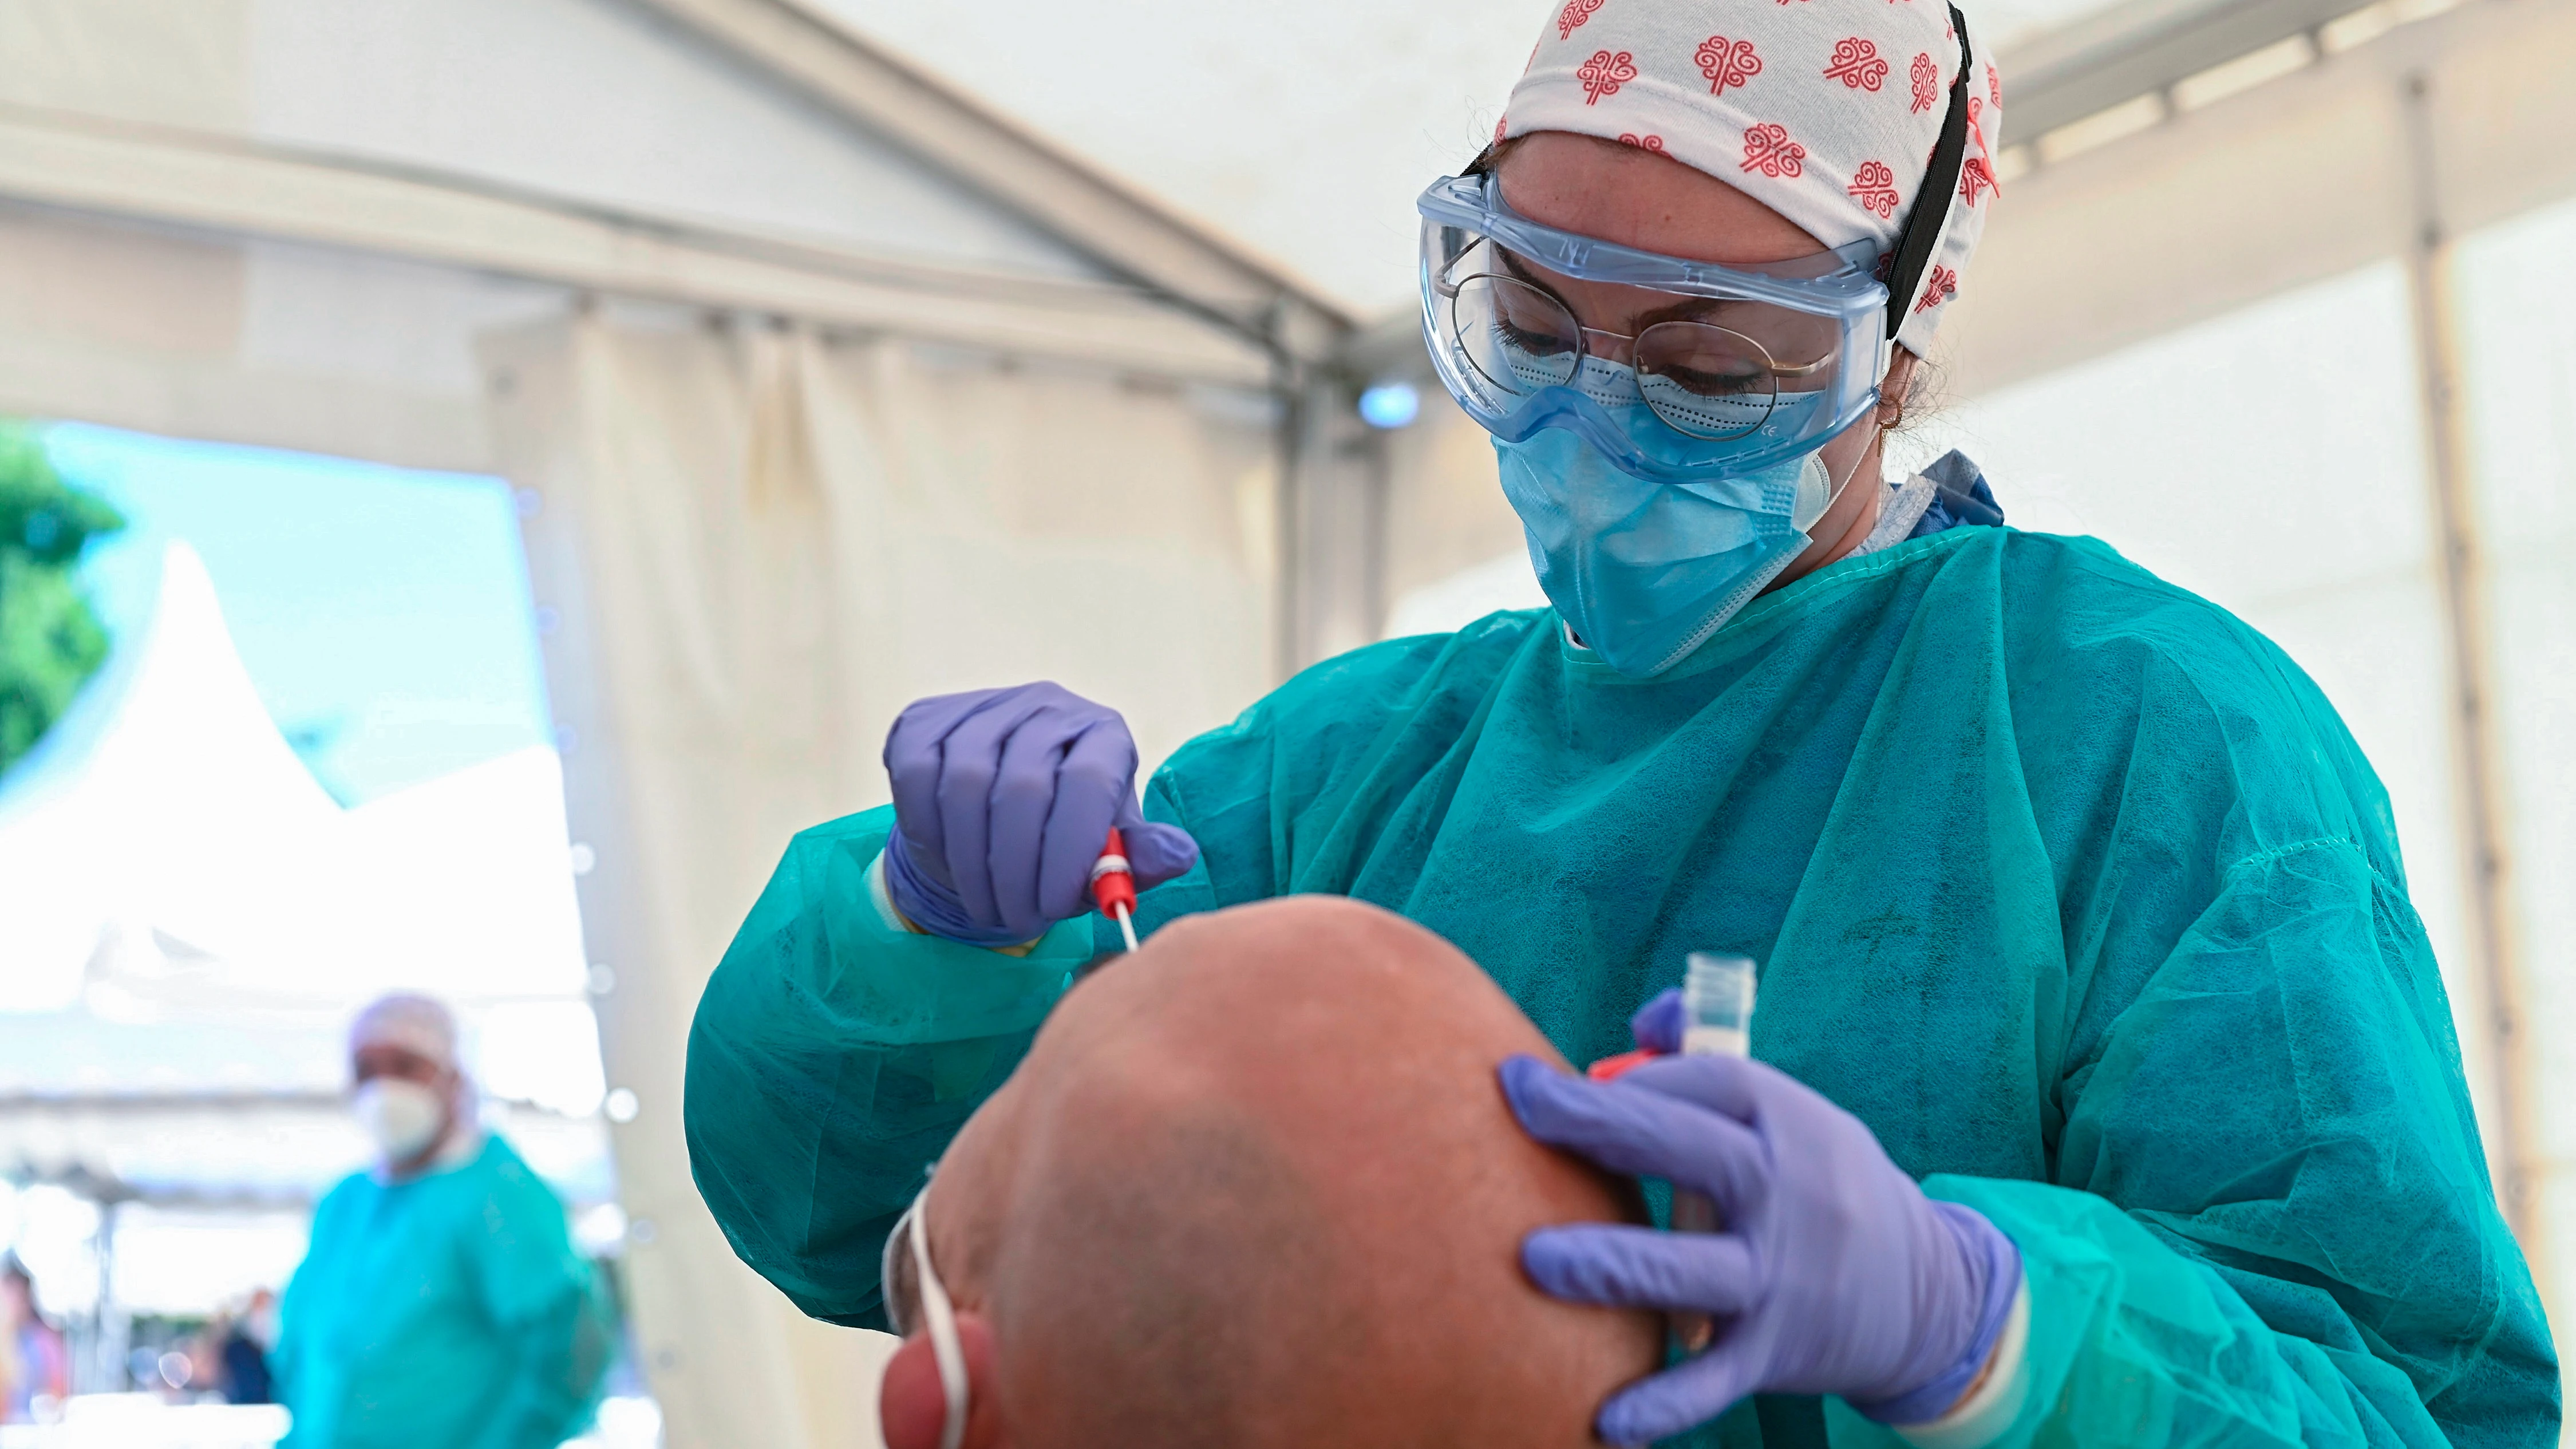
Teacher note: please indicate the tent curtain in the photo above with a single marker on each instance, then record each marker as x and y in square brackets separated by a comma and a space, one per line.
[751, 546]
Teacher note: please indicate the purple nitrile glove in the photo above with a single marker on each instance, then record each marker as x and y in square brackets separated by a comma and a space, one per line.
[1658, 1025]
[1003, 801]
[1834, 1273]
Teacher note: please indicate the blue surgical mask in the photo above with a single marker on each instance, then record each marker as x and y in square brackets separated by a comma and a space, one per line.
[1645, 572]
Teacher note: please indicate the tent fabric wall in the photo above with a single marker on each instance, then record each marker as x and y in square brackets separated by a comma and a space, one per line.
[661, 124]
[231, 339]
[272, 221]
[2292, 182]
[2519, 329]
[758, 545]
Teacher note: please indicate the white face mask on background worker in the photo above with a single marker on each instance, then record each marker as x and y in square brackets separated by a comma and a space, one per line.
[401, 1117]
[407, 1087]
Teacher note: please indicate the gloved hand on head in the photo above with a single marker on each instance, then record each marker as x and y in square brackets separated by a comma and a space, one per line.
[1003, 800]
[1254, 1185]
[1832, 1273]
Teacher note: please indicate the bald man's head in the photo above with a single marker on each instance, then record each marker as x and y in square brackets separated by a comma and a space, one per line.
[1255, 1185]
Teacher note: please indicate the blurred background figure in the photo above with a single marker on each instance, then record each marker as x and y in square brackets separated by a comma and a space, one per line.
[237, 1347]
[441, 1303]
[35, 1371]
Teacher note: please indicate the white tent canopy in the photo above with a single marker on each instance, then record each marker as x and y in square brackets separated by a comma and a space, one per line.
[165, 851]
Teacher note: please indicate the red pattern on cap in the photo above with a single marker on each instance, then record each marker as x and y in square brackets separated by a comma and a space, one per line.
[1727, 62]
[1976, 178]
[1604, 73]
[1856, 64]
[1768, 149]
[1814, 137]
[1875, 187]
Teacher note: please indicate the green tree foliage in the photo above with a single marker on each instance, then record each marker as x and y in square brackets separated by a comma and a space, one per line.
[50, 640]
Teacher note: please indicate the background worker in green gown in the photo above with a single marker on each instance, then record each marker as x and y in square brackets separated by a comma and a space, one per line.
[441, 1304]
[2105, 1090]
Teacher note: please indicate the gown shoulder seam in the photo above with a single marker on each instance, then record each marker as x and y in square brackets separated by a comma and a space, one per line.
[2274, 855]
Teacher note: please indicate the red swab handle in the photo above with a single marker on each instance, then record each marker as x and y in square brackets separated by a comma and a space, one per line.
[1112, 884]
[1611, 1069]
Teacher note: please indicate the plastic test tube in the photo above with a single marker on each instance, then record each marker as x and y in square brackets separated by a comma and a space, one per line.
[1717, 1020]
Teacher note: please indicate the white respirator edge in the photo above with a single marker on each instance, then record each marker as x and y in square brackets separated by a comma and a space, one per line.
[402, 1118]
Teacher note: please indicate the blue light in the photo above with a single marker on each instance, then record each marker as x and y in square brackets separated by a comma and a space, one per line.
[1390, 405]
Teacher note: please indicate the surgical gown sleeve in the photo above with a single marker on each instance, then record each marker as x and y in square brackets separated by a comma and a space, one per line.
[543, 1300]
[2267, 1218]
[833, 1057]
[2275, 1228]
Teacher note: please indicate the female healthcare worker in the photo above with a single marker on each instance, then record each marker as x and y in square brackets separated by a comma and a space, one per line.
[2106, 1092]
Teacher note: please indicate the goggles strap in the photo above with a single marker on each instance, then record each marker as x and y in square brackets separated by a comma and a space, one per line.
[1931, 214]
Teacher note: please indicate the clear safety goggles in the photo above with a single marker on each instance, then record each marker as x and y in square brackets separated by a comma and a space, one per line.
[1678, 371]
[908, 1282]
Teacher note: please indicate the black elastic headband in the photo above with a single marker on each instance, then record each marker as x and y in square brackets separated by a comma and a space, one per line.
[1940, 185]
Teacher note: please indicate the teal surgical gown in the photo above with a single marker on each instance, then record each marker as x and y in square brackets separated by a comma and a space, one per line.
[2066, 882]
[449, 1311]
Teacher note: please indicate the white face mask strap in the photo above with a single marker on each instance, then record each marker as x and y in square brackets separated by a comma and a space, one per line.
[941, 1321]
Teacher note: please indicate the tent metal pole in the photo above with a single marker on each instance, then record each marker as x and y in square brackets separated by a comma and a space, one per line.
[2477, 751]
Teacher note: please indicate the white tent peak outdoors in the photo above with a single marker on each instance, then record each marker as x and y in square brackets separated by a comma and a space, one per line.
[165, 854]
[176, 713]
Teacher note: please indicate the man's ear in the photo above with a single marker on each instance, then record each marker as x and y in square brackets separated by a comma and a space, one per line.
[911, 1405]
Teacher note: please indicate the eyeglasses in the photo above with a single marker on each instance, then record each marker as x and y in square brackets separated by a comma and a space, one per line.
[1701, 378]
[1677, 371]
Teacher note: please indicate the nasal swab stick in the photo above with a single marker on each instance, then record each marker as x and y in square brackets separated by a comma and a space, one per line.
[1113, 885]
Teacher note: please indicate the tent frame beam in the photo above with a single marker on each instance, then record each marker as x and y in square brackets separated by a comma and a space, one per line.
[2140, 48]
[2478, 754]
[1109, 222]
[171, 177]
